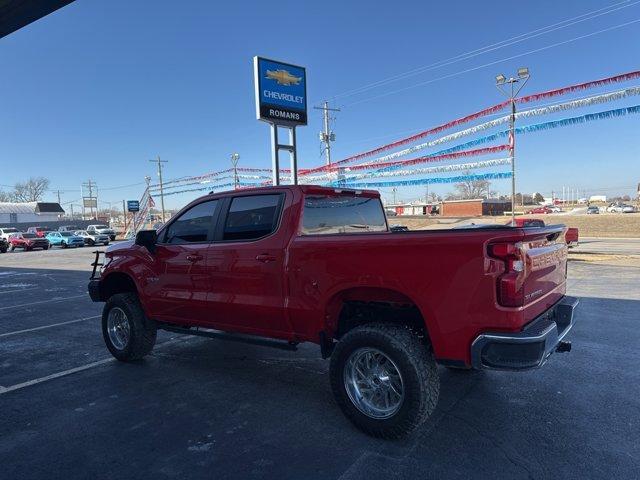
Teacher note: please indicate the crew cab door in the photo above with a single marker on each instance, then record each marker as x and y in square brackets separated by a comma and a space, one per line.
[178, 293]
[246, 265]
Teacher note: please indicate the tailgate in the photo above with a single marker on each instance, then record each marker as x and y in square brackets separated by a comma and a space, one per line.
[534, 264]
[545, 263]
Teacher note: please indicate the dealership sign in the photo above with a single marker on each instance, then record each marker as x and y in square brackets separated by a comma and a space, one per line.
[133, 205]
[281, 92]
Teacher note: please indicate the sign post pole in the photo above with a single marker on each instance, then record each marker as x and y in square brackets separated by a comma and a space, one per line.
[281, 100]
[293, 155]
[275, 156]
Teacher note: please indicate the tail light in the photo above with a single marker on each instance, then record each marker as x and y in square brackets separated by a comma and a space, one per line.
[510, 285]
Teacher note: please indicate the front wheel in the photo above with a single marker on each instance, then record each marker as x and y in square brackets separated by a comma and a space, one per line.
[63, 245]
[128, 333]
[384, 379]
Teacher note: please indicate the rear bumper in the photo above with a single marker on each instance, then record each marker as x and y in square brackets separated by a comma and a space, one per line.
[529, 348]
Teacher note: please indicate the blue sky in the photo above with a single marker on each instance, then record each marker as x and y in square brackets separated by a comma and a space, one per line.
[99, 87]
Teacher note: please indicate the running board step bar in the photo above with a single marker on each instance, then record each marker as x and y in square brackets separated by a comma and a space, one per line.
[233, 337]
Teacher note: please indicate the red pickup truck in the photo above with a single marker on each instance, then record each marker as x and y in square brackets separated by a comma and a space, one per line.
[284, 265]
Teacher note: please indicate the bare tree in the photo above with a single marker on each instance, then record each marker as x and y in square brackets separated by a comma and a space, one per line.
[433, 196]
[538, 198]
[32, 190]
[470, 189]
[5, 197]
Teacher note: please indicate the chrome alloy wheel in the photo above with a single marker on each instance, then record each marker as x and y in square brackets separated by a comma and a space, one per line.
[118, 328]
[373, 383]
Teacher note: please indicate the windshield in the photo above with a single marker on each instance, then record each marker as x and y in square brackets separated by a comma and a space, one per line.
[66, 234]
[101, 227]
[29, 235]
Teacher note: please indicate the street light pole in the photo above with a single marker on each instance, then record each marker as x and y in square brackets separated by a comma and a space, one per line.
[523, 75]
[234, 161]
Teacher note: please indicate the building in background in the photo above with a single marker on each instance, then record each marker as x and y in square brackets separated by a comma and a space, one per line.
[475, 207]
[598, 198]
[30, 212]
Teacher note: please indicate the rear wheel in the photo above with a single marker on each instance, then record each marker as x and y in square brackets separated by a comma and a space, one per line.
[384, 379]
[63, 244]
[128, 333]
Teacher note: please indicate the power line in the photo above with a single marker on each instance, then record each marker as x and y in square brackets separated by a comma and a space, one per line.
[495, 62]
[492, 47]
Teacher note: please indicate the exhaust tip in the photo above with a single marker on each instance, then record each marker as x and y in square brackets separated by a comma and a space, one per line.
[563, 347]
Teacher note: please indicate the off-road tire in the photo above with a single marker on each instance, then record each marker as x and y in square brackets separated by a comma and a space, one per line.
[143, 331]
[413, 358]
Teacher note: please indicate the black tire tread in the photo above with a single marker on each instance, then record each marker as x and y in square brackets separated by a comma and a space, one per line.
[419, 354]
[143, 330]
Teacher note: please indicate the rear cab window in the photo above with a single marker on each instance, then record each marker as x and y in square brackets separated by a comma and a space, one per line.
[252, 217]
[336, 214]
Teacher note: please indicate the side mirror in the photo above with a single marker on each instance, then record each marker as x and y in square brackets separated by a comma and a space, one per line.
[147, 239]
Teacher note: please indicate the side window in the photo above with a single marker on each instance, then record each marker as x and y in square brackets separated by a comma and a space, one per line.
[342, 214]
[252, 217]
[193, 225]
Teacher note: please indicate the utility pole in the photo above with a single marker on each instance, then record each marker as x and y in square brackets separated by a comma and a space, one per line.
[58, 197]
[90, 185]
[523, 75]
[160, 162]
[124, 215]
[394, 195]
[234, 161]
[327, 136]
[71, 205]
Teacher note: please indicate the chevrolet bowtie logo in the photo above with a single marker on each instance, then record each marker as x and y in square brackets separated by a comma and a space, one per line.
[283, 77]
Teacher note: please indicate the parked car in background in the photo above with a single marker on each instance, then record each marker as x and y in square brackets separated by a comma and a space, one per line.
[103, 230]
[4, 245]
[555, 209]
[6, 231]
[39, 231]
[593, 210]
[390, 212]
[27, 241]
[65, 239]
[628, 209]
[540, 210]
[93, 238]
[68, 228]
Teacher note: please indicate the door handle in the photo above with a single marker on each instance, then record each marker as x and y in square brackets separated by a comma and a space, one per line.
[265, 258]
[194, 258]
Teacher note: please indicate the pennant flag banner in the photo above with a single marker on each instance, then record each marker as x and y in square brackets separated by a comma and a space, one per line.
[430, 181]
[210, 188]
[625, 77]
[527, 129]
[487, 111]
[431, 158]
[431, 170]
[590, 117]
[585, 102]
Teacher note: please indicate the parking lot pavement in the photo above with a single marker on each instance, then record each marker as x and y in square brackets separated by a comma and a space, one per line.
[199, 408]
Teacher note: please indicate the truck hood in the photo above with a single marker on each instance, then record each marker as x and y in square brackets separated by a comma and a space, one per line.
[120, 247]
